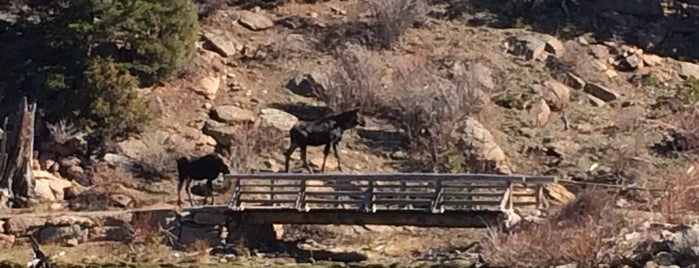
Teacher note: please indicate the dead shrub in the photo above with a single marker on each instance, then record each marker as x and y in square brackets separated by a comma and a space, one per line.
[158, 160]
[578, 233]
[355, 81]
[63, 131]
[249, 143]
[394, 17]
[430, 107]
[146, 238]
[681, 197]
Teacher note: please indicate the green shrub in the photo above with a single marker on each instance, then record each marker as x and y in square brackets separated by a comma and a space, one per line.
[689, 90]
[159, 35]
[115, 107]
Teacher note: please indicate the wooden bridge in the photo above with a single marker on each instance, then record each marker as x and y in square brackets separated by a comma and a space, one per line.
[418, 199]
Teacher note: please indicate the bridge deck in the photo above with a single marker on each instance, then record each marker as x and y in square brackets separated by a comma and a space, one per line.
[387, 194]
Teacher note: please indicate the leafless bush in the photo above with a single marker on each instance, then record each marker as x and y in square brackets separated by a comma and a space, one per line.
[432, 106]
[354, 82]
[394, 17]
[249, 142]
[578, 233]
[157, 161]
[682, 197]
[63, 131]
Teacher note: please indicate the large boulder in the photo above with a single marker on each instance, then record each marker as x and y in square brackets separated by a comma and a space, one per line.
[476, 137]
[221, 132]
[688, 69]
[208, 86]
[232, 114]
[255, 21]
[48, 186]
[278, 119]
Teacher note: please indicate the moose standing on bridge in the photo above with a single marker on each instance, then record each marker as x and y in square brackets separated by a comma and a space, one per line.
[326, 131]
[208, 167]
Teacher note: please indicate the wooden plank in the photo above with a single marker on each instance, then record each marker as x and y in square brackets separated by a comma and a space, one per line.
[405, 194]
[270, 192]
[403, 201]
[267, 201]
[332, 201]
[335, 193]
[276, 186]
[471, 202]
[466, 177]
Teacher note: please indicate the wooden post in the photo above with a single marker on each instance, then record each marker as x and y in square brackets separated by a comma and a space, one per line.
[437, 201]
[301, 196]
[368, 205]
[233, 204]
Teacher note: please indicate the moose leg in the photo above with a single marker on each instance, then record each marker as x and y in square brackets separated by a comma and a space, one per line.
[189, 194]
[337, 156]
[326, 152]
[305, 161]
[209, 191]
[287, 156]
[179, 191]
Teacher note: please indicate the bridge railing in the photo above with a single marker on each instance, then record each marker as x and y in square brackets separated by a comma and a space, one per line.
[434, 193]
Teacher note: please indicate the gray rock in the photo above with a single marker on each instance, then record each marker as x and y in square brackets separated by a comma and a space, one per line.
[306, 84]
[232, 114]
[61, 233]
[70, 161]
[222, 133]
[255, 21]
[574, 81]
[556, 94]
[554, 46]
[570, 265]
[688, 69]
[222, 43]
[529, 46]
[278, 119]
[475, 135]
[117, 160]
[631, 62]
[601, 92]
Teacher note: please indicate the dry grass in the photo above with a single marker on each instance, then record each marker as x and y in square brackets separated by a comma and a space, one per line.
[681, 198]
[578, 233]
[394, 17]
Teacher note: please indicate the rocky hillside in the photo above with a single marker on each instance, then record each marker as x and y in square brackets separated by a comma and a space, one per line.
[592, 91]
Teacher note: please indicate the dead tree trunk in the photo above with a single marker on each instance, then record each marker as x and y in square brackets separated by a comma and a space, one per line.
[16, 148]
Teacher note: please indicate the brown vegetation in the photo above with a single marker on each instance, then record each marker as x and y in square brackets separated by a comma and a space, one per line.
[578, 233]
[354, 82]
[394, 17]
[251, 142]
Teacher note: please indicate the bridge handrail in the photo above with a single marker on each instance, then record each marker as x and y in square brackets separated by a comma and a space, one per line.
[372, 195]
[475, 177]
